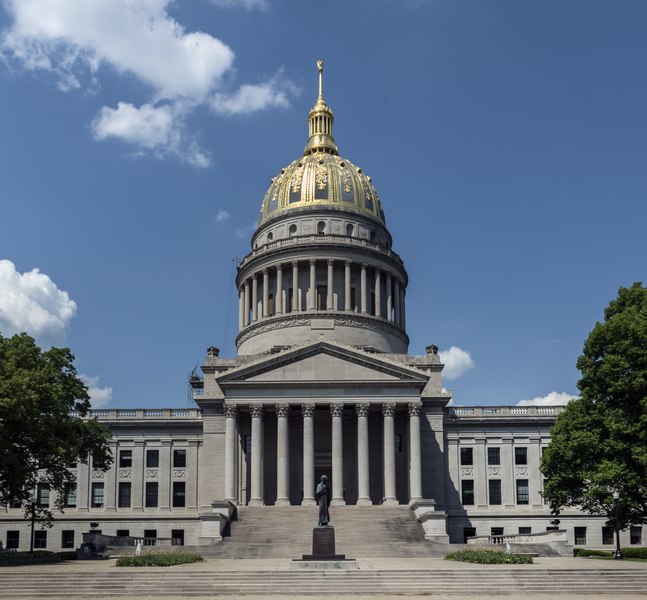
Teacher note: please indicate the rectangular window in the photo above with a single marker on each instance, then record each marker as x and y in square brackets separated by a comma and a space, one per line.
[179, 459]
[607, 536]
[67, 538]
[467, 458]
[15, 503]
[150, 537]
[151, 494]
[40, 539]
[42, 495]
[635, 535]
[177, 537]
[494, 487]
[97, 494]
[522, 491]
[496, 531]
[70, 495]
[123, 533]
[152, 459]
[125, 459]
[580, 536]
[467, 492]
[124, 494]
[525, 530]
[179, 488]
[13, 540]
[494, 456]
[521, 456]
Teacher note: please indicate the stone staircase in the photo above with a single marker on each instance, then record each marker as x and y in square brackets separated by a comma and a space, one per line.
[360, 532]
[175, 581]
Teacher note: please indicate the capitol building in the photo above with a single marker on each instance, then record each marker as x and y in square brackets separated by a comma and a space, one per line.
[322, 383]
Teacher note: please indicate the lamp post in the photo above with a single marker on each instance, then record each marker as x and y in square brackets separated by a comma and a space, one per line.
[33, 503]
[616, 496]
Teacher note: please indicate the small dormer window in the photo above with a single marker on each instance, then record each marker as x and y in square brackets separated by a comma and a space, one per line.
[321, 227]
[270, 236]
[350, 229]
[292, 230]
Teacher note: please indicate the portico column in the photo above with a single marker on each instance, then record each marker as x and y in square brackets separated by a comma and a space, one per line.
[308, 455]
[241, 308]
[403, 321]
[363, 289]
[254, 298]
[278, 302]
[396, 299]
[230, 452]
[347, 305]
[329, 295]
[363, 498]
[312, 297]
[295, 286]
[282, 455]
[389, 298]
[256, 498]
[266, 293]
[388, 410]
[415, 470]
[378, 294]
[247, 301]
[337, 412]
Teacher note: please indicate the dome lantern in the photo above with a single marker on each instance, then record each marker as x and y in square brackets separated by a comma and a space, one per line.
[320, 122]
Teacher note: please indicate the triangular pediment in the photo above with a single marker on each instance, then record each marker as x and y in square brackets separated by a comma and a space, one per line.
[323, 362]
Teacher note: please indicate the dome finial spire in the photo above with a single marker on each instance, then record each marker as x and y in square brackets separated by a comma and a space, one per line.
[320, 122]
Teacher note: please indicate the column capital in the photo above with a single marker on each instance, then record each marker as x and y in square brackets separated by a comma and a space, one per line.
[388, 409]
[330, 261]
[414, 409]
[256, 410]
[364, 266]
[231, 410]
[348, 262]
[282, 410]
[279, 267]
[265, 271]
[362, 409]
[312, 261]
[337, 409]
[254, 276]
[295, 263]
[307, 410]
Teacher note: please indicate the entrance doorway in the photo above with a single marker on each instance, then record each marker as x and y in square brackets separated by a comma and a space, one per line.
[323, 466]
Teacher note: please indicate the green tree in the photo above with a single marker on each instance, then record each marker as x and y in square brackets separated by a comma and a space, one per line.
[42, 432]
[599, 442]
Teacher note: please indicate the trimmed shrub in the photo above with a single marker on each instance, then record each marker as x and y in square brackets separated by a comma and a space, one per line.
[489, 556]
[584, 552]
[158, 559]
[67, 555]
[634, 552]
[40, 557]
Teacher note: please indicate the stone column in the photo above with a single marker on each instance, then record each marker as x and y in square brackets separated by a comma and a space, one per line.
[230, 452]
[347, 305]
[278, 302]
[378, 293]
[282, 456]
[337, 412]
[266, 293]
[241, 308]
[295, 286]
[403, 322]
[256, 498]
[247, 303]
[363, 289]
[389, 298]
[254, 298]
[312, 297]
[396, 299]
[308, 455]
[388, 411]
[329, 295]
[363, 481]
[415, 465]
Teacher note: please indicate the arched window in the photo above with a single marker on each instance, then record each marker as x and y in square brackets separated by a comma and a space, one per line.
[270, 236]
[321, 227]
[292, 230]
[372, 237]
[350, 229]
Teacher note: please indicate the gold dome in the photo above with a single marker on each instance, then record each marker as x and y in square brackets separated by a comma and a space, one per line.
[321, 178]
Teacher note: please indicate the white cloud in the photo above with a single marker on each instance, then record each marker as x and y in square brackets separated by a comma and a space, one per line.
[456, 361]
[251, 98]
[550, 399]
[246, 4]
[222, 216]
[72, 41]
[246, 231]
[99, 396]
[33, 303]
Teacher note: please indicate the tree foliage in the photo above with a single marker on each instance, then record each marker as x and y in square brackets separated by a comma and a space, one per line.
[42, 432]
[599, 443]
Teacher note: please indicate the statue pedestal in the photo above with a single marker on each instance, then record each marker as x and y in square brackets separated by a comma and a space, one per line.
[323, 553]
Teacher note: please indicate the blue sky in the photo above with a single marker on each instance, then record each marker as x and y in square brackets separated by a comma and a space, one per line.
[506, 138]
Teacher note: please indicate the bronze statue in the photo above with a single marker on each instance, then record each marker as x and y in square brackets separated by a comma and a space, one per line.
[322, 495]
